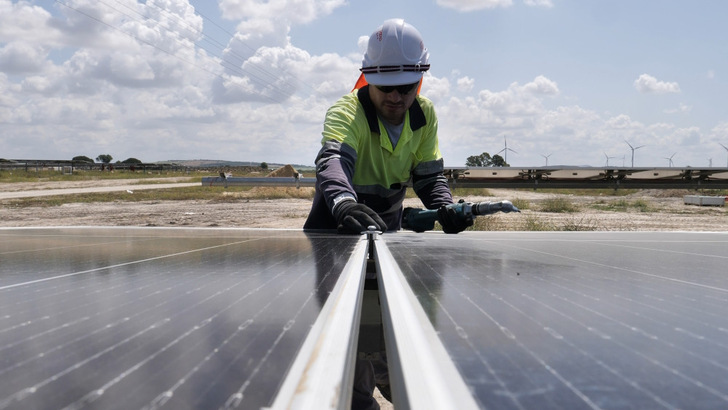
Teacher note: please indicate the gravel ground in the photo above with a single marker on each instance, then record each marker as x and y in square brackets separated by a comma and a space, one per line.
[648, 210]
[651, 210]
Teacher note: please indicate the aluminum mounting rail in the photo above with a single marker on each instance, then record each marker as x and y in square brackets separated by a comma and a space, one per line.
[325, 363]
[421, 373]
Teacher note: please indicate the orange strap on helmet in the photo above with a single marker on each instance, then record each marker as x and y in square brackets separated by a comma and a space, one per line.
[361, 82]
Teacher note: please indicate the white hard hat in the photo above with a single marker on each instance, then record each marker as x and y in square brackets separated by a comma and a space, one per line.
[395, 55]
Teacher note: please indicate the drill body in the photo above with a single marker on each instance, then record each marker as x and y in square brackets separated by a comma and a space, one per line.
[420, 220]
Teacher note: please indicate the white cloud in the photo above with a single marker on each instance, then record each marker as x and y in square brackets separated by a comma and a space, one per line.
[22, 20]
[73, 86]
[146, 88]
[687, 137]
[518, 111]
[648, 84]
[519, 99]
[539, 3]
[436, 89]
[262, 65]
[622, 122]
[465, 84]
[21, 57]
[301, 11]
[329, 74]
[682, 108]
[471, 5]
[542, 85]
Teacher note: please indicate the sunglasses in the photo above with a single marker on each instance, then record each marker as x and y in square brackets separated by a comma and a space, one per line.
[402, 89]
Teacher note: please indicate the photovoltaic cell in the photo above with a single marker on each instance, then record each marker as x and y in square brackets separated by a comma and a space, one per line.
[577, 320]
[141, 318]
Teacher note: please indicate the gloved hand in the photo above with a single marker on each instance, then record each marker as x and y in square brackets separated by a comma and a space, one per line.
[451, 221]
[353, 217]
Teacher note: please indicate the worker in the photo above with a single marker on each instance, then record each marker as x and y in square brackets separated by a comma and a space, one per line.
[379, 139]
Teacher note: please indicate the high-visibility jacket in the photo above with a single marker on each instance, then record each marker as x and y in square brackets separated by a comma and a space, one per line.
[357, 160]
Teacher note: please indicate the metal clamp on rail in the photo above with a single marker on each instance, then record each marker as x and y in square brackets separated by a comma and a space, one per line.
[371, 234]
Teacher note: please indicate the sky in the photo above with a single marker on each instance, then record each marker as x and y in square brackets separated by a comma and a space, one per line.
[561, 82]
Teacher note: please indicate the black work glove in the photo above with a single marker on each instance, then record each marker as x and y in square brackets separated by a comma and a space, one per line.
[451, 221]
[353, 217]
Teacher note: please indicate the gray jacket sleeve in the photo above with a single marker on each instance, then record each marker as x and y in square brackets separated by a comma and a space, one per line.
[334, 172]
[430, 184]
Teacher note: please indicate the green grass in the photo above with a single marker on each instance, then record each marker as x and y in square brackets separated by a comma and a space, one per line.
[201, 193]
[521, 204]
[558, 205]
[43, 175]
[14, 176]
[580, 224]
[608, 192]
[533, 223]
[464, 192]
[611, 200]
[623, 205]
[457, 193]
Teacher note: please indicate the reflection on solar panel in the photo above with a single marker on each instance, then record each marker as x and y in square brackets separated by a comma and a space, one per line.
[214, 318]
[140, 318]
[578, 320]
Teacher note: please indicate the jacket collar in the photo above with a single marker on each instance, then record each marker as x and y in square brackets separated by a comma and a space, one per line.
[417, 116]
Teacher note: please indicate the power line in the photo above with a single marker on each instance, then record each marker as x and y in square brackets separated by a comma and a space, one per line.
[265, 84]
[234, 54]
[268, 89]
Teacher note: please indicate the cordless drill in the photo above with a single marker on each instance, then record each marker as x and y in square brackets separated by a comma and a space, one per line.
[420, 220]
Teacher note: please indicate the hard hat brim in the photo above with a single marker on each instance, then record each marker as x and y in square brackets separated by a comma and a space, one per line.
[399, 78]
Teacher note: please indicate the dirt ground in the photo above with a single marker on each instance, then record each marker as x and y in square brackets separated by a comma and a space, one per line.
[647, 210]
[650, 210]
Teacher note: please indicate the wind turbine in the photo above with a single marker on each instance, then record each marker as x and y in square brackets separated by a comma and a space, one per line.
[710, 162]
[725, 148]
[669, 159]
[636, 148]
[547, 157]
[505, 150]
[608, 158]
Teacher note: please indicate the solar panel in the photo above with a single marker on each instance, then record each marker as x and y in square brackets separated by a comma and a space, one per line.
[223, 318]
[577, 320]
[140, 318]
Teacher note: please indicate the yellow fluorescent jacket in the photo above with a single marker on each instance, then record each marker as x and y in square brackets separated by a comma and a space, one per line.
[377, 163]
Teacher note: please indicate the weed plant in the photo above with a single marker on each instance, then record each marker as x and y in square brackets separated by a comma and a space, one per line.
[623, 205]
[201, 193]
[558, 205]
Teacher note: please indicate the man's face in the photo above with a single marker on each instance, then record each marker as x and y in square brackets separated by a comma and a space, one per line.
[392, 104]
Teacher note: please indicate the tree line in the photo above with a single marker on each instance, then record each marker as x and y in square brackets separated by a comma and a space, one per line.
[486, 160]
[104, 159]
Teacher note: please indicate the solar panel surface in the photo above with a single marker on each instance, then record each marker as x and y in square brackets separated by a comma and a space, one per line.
[140, 318]
[578, 320]
[214, 318]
